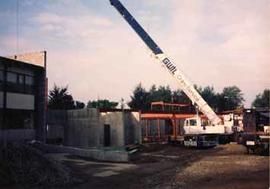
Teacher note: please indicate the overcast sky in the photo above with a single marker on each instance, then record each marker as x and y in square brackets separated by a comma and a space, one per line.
[94, 51]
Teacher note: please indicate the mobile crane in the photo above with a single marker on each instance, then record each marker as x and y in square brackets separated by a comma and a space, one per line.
[196, 133]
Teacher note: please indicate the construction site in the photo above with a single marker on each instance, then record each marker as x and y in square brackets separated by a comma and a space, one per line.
[184, 140]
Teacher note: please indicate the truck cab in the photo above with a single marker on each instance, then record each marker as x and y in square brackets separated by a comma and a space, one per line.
[196, 125]
[200, 133]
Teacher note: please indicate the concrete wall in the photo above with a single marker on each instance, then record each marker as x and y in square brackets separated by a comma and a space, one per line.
[116, 122]
[132, 128]
[125, 127]
[85, 127]
[56, 121]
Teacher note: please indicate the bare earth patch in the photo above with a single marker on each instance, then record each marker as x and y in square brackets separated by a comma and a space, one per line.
[166, 166]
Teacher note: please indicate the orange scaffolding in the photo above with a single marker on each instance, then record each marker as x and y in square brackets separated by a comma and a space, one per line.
[173, 117]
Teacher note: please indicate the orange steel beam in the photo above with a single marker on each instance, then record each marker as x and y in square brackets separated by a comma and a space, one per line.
[164, 116]
[168, 104]
[168, 116]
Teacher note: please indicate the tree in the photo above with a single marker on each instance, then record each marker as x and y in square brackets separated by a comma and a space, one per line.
[102, 104]
[262, 99]
[79, 105]
[179, 96]
[140, 99]
[209, 95]
[230, 98]
[59, 98]
[161, 94]
[198, 88]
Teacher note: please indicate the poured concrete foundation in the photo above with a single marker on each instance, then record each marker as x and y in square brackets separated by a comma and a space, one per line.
[101, 154]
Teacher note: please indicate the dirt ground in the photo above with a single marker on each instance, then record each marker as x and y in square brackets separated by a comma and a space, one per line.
[166, 166]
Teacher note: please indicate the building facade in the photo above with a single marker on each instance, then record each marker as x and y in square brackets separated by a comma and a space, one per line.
[23, 88]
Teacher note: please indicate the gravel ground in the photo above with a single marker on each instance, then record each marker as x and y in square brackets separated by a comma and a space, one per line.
[166, 166]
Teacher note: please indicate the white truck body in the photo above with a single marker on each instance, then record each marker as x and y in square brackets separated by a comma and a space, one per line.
[194, 126]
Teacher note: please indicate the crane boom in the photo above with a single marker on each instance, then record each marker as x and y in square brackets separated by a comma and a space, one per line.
[185, 84]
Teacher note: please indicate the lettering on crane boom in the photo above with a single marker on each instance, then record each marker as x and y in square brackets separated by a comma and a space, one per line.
[173, 69]
[169, 65]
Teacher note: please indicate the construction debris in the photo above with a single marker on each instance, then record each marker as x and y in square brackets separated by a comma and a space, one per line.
[27, 166]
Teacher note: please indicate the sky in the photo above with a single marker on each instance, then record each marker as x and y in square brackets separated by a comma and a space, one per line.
[94, 51]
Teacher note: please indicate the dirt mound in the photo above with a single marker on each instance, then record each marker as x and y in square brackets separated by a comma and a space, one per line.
[25, 165]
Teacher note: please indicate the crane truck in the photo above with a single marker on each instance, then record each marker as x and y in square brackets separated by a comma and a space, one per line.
[196, 134]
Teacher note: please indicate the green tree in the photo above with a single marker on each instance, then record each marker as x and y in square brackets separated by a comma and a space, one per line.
[179, 96]
[262, 99]
[198, 88]
[59, 98]
[140, 98]
[102, 104]
[230, 98]
[209, 95]
[79, 105]
[161, 94]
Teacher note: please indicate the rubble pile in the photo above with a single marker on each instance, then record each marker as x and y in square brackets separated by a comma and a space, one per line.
[23, 164]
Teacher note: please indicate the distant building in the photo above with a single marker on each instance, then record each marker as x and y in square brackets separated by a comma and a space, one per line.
[23, 88]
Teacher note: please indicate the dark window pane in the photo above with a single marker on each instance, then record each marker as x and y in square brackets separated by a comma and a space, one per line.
[21, 79]
[11, 77]
[29, 80]
[19, 119]
[1, 75]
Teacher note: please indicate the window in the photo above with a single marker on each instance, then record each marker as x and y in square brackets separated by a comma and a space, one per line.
[205, 123]
[19, 119]
[20, 83]
[193, 122]
[21, 79]
[29, 80]
[11, 77]
[29, 84]
[1, 76]
[1, 79]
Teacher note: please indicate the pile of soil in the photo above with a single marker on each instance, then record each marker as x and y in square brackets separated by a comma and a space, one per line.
[21, 164]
